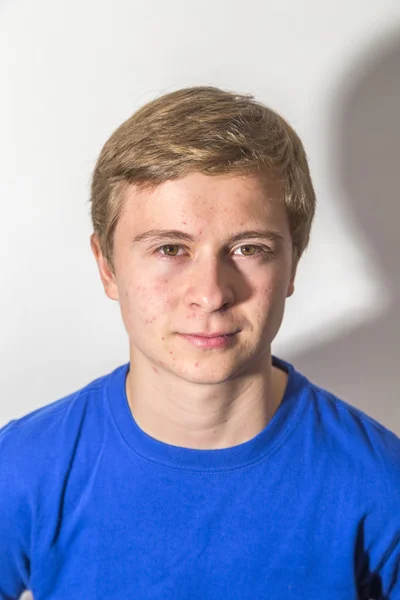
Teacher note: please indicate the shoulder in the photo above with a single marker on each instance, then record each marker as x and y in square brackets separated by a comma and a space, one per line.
[31, 442]
[357, 459]
[350, 434]
[339, 427]
[35, 453]
[39, 449]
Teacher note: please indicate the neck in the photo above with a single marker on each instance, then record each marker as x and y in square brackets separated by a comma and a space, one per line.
[203, 416]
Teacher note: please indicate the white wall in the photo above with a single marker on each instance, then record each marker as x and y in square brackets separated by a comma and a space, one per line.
[71, 72]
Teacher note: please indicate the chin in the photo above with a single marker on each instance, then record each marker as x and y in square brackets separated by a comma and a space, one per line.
[205, 380]
[206, 374]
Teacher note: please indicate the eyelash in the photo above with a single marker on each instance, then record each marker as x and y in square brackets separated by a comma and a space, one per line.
[261, 250]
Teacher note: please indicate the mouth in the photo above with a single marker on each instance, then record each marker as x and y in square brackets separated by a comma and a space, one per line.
[211, 340]
[213, 335]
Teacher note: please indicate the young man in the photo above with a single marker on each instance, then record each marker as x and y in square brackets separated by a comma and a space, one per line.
[206, 467]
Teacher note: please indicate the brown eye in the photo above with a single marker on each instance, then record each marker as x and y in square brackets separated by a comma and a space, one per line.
[169, 250]
[248, 250]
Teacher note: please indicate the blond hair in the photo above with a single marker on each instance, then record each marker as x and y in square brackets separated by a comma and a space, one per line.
[208, 130]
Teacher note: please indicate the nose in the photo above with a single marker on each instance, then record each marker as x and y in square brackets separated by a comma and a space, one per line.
[209, 284]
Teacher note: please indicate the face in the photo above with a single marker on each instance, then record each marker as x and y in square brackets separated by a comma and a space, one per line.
[201, 255]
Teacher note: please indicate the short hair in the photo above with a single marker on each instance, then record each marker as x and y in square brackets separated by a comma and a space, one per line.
[207, 130]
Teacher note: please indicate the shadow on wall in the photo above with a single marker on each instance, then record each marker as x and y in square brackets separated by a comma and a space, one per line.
[362, 366]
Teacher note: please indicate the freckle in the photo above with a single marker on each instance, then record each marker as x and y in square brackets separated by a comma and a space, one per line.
[163, 338]
[170, 352]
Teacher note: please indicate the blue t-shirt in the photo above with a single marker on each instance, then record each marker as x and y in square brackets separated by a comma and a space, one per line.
[92, 507]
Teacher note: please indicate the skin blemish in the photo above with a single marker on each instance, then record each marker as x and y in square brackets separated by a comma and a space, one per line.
[196, 364]
[155, 370]
[163, 338]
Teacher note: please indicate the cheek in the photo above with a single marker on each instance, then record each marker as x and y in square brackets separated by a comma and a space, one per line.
[145, 302]
[270, 296]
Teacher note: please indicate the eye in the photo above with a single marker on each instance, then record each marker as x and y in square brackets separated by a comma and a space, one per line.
[252, 250]
[169, 250]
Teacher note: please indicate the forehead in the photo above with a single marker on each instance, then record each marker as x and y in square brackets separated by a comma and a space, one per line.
[199, 200]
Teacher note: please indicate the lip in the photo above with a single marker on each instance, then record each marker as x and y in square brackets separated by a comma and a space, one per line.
[214, 340]
[212, 335]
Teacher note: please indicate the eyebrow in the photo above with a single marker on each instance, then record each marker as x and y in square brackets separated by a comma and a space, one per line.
[155, 235]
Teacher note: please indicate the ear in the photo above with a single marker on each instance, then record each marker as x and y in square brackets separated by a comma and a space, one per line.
[290, 290]
[106, 275]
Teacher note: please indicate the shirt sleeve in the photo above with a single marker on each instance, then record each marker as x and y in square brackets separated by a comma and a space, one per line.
[14, 513]
[384, 581]
[379, 540]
